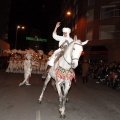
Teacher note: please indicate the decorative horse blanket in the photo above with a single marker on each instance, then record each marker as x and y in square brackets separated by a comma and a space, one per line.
[64, 74]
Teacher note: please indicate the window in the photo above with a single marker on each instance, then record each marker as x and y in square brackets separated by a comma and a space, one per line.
[106, 32]
[90, 15]
[109, 11]
[90, 2]
[89, 33]
[74, 2]
[77, 10]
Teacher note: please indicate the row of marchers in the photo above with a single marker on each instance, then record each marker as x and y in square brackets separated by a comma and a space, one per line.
[17, 66]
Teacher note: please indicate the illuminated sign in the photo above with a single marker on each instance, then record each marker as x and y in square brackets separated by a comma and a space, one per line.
[36, 39]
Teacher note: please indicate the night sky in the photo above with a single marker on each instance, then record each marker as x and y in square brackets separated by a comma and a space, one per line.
[34, 15]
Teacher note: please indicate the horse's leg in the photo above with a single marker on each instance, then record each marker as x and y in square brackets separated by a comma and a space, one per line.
[53, 84]
[58, 86]
[44, 87]
[66, 90]
[63, 86]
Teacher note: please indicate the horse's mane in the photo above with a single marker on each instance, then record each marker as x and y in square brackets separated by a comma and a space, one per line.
[71, 45]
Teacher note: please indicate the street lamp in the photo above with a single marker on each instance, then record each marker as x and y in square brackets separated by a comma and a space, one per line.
[18, 27]
[68, 13]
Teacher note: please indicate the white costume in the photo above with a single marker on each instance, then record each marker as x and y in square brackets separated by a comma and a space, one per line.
[61, 40]
[27, 70]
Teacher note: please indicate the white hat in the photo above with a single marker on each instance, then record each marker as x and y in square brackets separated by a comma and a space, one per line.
[67, 30]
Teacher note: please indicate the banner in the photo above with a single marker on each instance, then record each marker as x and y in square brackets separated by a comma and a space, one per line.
[36, 39]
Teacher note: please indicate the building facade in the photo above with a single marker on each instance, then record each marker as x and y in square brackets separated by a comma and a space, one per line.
[4, 25]
[4, 18]
[97, 21]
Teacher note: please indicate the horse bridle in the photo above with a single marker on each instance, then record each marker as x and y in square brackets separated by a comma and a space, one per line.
[72, 58]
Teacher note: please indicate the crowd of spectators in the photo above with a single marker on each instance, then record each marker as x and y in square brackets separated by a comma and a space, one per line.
[106, 73]
[103, 72]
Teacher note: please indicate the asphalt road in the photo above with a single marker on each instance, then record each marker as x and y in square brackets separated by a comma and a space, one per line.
[89, 101]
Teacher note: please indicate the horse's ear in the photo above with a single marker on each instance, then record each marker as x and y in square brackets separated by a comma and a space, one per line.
[75, 37]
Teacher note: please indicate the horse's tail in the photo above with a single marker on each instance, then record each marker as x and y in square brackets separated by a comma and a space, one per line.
[74, 78]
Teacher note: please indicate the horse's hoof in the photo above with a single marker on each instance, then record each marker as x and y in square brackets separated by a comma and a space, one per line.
[39, 101]
[67, 100]
[63, 116]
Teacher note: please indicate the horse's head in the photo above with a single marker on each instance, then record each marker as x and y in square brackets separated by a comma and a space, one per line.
[76, 52]
[72, 54]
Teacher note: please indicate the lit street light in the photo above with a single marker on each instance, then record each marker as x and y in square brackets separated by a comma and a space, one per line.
[18, 27]
[68, 13]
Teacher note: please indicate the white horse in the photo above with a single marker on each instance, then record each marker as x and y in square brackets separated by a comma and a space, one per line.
[62, 72]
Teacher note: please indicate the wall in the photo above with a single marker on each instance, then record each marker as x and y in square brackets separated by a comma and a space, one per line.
[4, 46]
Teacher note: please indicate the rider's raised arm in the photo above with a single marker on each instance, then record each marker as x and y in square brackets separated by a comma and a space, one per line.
[54, 34]
[56, 27]
[56, 37]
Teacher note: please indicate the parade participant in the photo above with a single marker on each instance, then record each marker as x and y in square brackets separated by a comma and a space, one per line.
[85, 70]
[27, 70]
[63, 42]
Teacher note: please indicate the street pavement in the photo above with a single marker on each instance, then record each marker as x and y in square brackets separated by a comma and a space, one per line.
[88, 101]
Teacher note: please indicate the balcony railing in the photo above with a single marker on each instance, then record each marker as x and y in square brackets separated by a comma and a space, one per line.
[111, 13]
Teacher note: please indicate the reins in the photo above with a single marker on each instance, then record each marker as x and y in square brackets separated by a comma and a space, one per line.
[71, 55]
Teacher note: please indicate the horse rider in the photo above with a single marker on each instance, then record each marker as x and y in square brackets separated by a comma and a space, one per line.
[63, 42]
